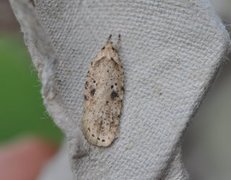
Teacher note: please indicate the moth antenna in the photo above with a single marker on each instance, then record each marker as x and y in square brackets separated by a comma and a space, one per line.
[118, 44]
[109, 38]
[119, 37]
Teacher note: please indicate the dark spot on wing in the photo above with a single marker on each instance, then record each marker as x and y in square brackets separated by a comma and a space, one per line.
[103, 48]
[112, 86]
[114, 95]
[85, 97]
[122, 88]
[92, 92]
[112, 59]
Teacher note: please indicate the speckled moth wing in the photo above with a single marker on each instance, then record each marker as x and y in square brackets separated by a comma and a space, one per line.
[103, 97]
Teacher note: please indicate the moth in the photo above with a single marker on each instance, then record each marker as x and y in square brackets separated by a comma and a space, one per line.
[103, 96]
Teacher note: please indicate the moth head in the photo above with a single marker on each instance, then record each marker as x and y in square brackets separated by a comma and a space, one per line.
[109, 45]
[110, 50]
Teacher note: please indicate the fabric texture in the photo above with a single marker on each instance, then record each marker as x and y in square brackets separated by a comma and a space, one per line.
[170, 49]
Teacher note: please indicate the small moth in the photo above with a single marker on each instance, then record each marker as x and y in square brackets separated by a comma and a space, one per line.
[103, 96]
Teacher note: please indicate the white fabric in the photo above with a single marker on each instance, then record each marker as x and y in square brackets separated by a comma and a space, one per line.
[171, 51]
